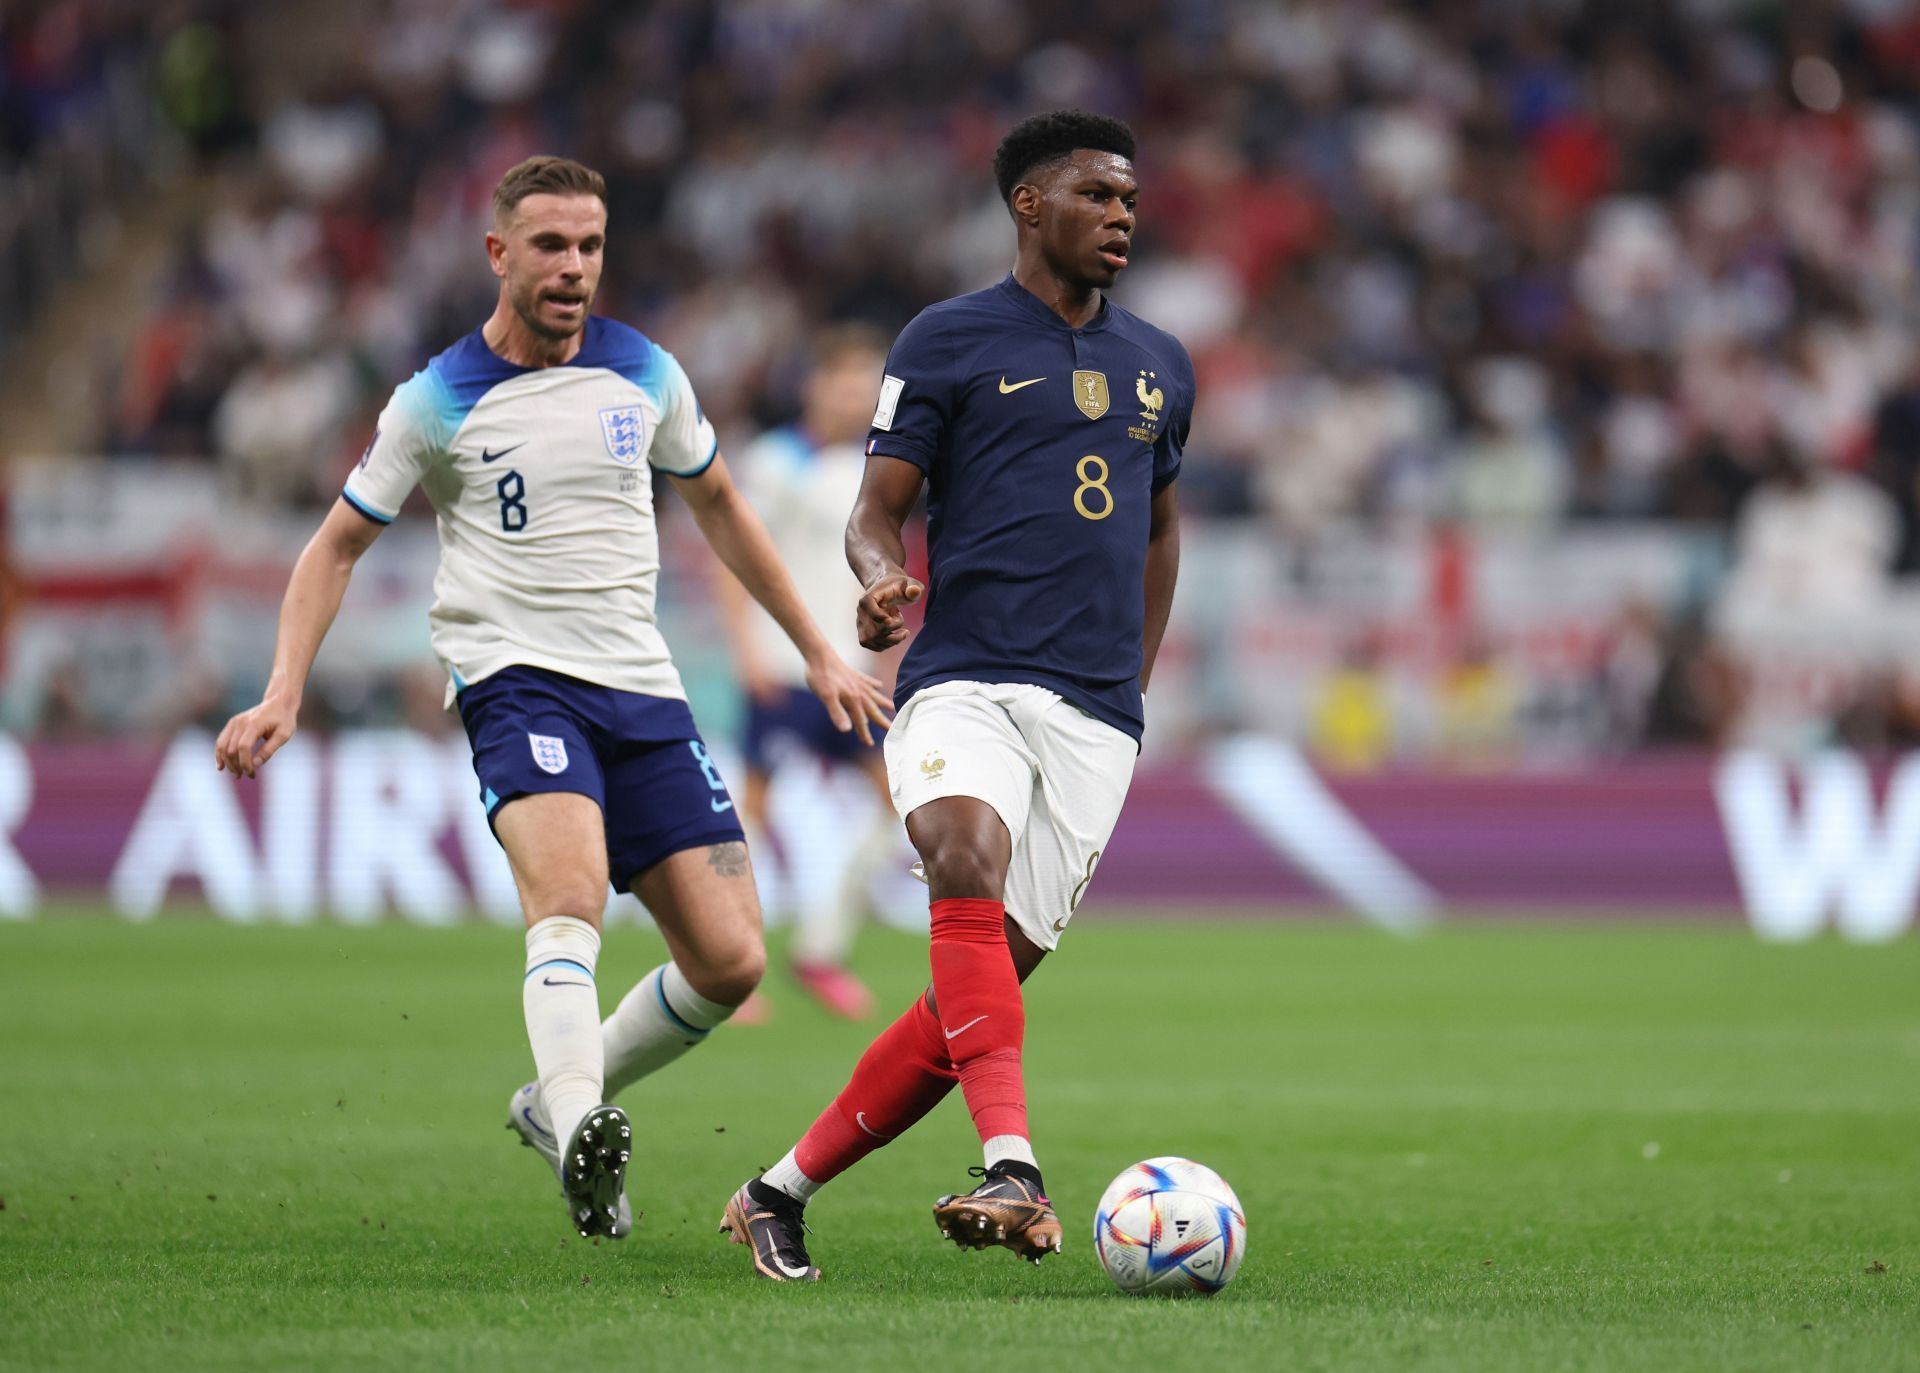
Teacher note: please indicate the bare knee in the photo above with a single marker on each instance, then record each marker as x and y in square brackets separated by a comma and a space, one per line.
[964, 860]
[964, 847]
[728, 973]
[581, 900]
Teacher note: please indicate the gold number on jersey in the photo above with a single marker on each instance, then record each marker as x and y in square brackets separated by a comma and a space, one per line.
[1073, 902]
[1097, 482]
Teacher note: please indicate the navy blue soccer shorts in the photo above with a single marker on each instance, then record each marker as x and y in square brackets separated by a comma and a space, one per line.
[797, 722]
[639, 757]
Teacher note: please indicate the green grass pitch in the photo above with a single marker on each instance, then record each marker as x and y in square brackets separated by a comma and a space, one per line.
[1499, 1146]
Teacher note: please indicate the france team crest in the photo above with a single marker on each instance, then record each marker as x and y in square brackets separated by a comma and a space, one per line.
[550, 753]
[625, 428]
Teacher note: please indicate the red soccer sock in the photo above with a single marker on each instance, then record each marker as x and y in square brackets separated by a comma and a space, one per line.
[981, 1014]
[903, 1074]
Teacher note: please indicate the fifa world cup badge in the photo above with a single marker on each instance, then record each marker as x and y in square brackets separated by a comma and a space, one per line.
[1090, 393]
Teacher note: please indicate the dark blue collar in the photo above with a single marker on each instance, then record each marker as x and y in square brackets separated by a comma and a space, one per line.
[1039, 309]
[598, 343]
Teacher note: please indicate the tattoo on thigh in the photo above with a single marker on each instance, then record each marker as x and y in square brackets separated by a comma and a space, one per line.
[729, 859]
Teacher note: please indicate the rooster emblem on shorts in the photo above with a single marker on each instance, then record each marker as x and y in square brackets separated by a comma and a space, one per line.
[932, 765]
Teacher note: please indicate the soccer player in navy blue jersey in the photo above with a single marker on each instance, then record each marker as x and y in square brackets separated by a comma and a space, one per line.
[1046, 425]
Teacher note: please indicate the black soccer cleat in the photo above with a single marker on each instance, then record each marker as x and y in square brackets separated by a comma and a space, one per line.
[527, 1119]
[1008, 1208]
[772, 1224]
[593, 1171]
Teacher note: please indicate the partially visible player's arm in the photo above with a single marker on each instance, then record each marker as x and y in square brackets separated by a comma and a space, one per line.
[306, 613]
[1163, 569]
[877, 553]
[735, 533]
[731, 598]
[736, 618]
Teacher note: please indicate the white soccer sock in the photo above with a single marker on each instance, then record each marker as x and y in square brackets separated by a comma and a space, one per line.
[655, 1023]
[563, 1019]
[826, 929]
[1009, 1149]
[787, 1177]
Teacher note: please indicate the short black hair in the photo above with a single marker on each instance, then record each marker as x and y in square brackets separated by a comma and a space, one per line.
[1051, 137]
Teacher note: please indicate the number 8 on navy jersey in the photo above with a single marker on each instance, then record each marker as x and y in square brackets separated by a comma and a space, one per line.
[993, 393]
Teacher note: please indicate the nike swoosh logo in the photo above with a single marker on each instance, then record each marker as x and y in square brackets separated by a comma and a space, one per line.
[549, 982]
[964, 1028]
[860, 1119]
[526, 1114]
[719, 806]
[486, 456]
[768, 1253]
[1007, 390]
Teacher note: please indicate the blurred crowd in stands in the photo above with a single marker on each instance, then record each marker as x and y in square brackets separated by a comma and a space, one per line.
[1499, 264]
[100, 102]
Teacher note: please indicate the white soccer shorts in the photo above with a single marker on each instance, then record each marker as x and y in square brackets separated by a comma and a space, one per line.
[1055, 775]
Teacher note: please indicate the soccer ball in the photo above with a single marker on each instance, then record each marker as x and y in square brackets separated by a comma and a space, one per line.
[1170, 1225]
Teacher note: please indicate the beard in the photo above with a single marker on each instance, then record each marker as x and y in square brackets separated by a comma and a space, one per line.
[526, 304]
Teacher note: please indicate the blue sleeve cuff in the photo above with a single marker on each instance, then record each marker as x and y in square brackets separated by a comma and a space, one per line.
[364, 508]
[713, 453]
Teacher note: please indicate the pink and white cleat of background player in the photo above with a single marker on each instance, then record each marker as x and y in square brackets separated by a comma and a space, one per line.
[835, 988]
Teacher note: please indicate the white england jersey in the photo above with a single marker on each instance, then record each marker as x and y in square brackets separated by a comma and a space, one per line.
[538, 477]
[804, 495]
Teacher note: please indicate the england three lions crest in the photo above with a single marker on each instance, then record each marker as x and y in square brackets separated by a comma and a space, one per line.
[625, 429]
[549, 752]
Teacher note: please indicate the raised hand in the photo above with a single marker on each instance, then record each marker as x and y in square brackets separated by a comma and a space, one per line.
[880, 621]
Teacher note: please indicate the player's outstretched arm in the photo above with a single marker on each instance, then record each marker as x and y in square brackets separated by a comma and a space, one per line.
[854, 701]
[1163, 570]
[736, 618]
[877, 554]
[306, 613]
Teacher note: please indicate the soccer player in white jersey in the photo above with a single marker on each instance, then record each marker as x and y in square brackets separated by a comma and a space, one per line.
[803, 479]
[534, 438]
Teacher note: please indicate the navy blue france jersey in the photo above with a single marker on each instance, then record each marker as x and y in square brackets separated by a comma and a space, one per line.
[1043, 446]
